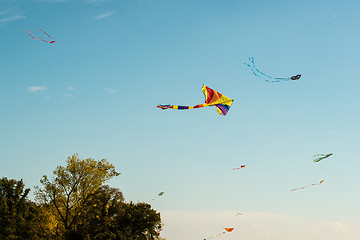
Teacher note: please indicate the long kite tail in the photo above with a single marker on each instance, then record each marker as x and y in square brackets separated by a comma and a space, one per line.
[308, 186]
[219, 234]
[163, 107]
[41, 39]
[262, 75]
[30, 34]
[242, 166]
[48, 36]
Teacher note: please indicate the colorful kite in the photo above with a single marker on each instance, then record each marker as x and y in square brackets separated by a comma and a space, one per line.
[308, 185]
[34, 37]
[229, 229]
[268, 78]
[242, 166]
[219, 234]
[319, 157]
[212, 98]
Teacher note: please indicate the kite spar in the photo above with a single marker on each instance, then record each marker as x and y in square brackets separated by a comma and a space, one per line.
[212, 98]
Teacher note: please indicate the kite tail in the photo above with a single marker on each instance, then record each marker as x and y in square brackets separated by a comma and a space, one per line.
[163, 107]
[220, 234]
[48, 36]
[45, 33]
[41, 39]
[253, 63]
[30, 34]
[259, 74]
[308, 185]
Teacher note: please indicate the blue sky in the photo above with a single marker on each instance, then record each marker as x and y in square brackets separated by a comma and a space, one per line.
[95, 90]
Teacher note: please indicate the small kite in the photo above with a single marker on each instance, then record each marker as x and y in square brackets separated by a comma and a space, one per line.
[229, 229]
[36, 38]
[212, 98]
[268, 78]
[219, 234]
[238, 214]
[308, 185]
[160, 194]
[242, 166]
[319, 157]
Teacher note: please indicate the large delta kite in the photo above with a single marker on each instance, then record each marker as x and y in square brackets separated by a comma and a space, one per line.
[212, 98]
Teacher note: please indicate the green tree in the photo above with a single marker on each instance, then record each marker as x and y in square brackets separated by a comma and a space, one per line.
[108, 217]
[137, 222]
[71, 189]
[20, 218]
[98, 219]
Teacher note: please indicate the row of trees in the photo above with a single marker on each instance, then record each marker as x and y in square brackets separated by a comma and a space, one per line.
[75, 204]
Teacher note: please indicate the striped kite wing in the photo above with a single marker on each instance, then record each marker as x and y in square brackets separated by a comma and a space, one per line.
[214, 98]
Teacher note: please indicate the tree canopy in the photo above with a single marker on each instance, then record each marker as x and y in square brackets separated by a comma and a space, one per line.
[79, 205]
[73, 186]
[19, 216]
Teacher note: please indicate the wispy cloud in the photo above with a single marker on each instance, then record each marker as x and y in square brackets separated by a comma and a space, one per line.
[10, 15]
[111, 90]
[12, 18]
[70, 88]
[105, 15]
[36, 89]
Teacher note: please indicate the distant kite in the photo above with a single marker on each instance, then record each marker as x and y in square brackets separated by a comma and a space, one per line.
[212, 98]
[319, 157]
[219, 234]
[160, 194]
[229, 229]
[238, 214]
[242, 166]
[308, 186]
[268, 78]
[36, 38]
